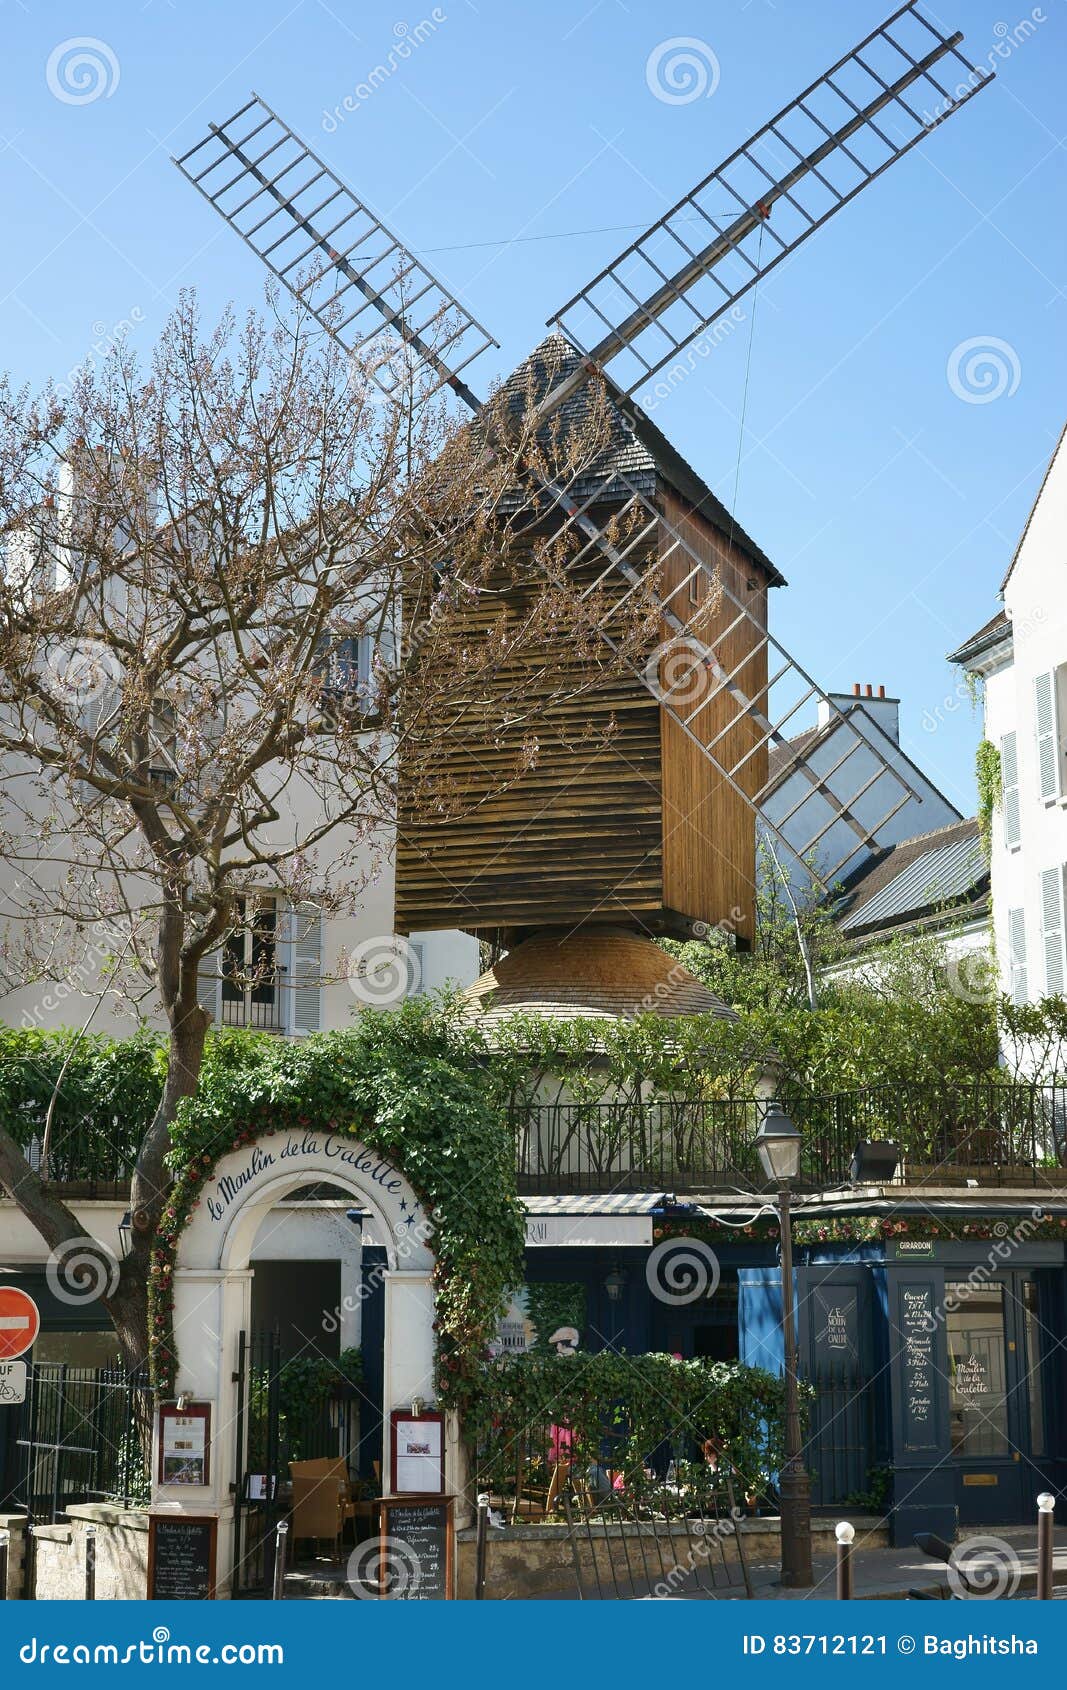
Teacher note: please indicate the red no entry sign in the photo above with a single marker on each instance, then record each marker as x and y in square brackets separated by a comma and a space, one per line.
[20, 1322]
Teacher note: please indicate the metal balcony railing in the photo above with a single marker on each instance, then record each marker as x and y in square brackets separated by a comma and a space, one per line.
[1001, 1135]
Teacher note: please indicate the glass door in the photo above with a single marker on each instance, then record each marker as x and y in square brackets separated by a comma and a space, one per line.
[982, 1353]
[998, 1342]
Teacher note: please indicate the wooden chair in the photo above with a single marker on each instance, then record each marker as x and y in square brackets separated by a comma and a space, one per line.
[322, 1500]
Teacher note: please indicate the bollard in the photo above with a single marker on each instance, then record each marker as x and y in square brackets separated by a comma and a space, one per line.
[278, 1588]
[845, 1533]
[1046, 1504]
[90, 1563]
[479, 1548]
[5, 1546]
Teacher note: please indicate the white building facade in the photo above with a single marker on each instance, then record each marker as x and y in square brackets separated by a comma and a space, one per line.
[1021, 657]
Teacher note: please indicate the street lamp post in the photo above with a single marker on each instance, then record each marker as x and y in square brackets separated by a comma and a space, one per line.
[778, 1143]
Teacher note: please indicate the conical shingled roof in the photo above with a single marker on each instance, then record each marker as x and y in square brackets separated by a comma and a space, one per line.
[595, 973]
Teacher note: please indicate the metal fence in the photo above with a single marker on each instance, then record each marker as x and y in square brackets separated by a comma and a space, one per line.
[1013, 1134]
[80, 1436]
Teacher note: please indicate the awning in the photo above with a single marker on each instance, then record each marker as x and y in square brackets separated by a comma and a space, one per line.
[618, 1220]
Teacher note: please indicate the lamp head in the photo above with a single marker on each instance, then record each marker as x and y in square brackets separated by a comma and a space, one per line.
[778, 1142]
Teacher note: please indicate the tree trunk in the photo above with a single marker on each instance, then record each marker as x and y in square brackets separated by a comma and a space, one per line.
[123, 1286]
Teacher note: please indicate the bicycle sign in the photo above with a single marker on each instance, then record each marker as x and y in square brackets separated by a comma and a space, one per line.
[12, 1382]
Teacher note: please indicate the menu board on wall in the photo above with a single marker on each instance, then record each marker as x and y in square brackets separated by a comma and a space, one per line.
[918, 1331]
[417, 1549]
[181, 1557]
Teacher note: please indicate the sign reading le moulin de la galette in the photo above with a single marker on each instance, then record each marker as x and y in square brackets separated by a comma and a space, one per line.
[284, 1153]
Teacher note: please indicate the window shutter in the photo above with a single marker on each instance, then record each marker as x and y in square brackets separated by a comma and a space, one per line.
[1052, 929]
[1017, 954]
[208, 983]
[1009, 786]
[305, 969]
[1047, 735]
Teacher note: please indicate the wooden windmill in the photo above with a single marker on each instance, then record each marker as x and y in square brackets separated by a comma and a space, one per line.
[661, 833]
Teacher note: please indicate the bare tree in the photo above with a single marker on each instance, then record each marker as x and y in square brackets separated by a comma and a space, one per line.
[191, 550]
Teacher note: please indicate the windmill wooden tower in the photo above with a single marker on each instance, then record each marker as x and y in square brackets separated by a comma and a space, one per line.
[658, 832]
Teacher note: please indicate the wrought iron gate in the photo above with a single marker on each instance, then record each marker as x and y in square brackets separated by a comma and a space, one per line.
[273, 1427]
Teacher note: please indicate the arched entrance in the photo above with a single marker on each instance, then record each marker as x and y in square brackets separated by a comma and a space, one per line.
[212, 1292]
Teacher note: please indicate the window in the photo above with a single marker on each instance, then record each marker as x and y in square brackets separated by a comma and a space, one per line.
[268, 973]
[1049, 716]
[1052, 930]
[1017, 955]
[1009, 786]
[250, 988]
[347, 673]
[977, 1356]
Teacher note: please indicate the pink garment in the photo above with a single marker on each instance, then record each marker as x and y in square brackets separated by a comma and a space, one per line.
[560, 1440]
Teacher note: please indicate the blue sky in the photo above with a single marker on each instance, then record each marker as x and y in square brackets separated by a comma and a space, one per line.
[890, 503]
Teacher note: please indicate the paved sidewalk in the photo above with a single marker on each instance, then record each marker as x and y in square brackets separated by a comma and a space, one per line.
[887, 1574]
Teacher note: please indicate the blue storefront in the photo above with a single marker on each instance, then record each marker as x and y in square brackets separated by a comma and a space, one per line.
[936, 1359]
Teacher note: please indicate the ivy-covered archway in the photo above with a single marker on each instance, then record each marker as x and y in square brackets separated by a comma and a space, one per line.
[402, 1093]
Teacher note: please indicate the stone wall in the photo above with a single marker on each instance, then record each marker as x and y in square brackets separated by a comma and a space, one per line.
[121, 1555]
[524, 1561]
[15, 1527]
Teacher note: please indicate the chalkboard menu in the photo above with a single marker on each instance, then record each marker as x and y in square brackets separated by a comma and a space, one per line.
[918, 1328]
[181, 1557]
[417, 1548]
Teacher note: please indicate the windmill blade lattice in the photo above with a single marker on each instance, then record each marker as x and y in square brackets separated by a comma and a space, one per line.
[768, 197]
[330, 250]
[693, 685]
[291, 209]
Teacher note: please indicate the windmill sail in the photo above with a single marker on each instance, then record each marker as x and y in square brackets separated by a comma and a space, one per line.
[330, 250]
[761, 203]
[835, 138]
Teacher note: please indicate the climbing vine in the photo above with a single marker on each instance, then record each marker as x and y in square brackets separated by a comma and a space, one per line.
[989, 775]
[404, 1083]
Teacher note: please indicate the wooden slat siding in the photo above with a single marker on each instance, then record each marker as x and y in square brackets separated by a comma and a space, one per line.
[709, 850]
[621, 819]
[576, 837]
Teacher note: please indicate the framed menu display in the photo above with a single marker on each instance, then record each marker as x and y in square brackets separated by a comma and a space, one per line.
[184, 1444]
[418, 1451]
[417, 1562]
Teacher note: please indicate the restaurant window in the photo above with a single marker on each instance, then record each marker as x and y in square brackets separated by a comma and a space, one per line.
[977, 1352]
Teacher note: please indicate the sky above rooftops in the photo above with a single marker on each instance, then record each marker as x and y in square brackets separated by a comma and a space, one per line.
[886, 473]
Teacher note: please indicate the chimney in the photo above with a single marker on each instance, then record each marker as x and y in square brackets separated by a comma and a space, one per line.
[875, 705]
